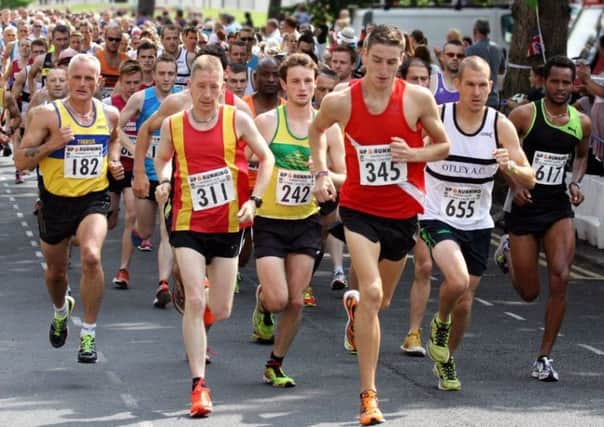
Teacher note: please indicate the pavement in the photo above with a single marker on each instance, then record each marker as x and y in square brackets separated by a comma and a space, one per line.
[142, 378]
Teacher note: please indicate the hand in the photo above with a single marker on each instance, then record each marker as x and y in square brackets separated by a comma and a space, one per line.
[116, 169]
[61, 138]
[324, 190]
[247, 212]
[401, 152]
[575, 195]
[502, 156]
[140, 185]
[162, 192]
[4, 138]
[522, 197]
[583, 72]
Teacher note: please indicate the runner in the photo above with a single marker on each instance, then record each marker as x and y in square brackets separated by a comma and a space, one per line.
[73, 142]
[131, 75]
[209, 204]
[142, 105]
[443, 83]
[146, 54]
[552, 132]
[43, 63]
[287, 230]
[382, 194]
[110, 58]
[456, 224]
[236, 78]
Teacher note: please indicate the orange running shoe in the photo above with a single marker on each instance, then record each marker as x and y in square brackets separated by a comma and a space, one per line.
[201, 401]
[122, 279]
[309, 298]
[370, 413]
[162, 295]
[350, 300]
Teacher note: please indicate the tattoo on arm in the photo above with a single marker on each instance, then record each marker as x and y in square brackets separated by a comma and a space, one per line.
[32, 152]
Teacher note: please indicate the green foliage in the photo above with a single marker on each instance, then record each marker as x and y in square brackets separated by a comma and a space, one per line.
[15, 3]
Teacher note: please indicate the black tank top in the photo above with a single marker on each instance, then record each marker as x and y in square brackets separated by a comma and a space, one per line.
[46, 66]
[549, 148]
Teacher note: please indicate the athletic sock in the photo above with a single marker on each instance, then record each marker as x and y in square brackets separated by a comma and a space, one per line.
[318, 259]
[274, 361]
[338, 270]
[61, 312]
[197, 380]
[88, 329]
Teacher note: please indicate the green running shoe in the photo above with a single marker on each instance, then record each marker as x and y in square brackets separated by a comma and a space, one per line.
[263, 323]
[438, 347]
[275, 376]
[87, 350]
[58, 326]
[447, 375]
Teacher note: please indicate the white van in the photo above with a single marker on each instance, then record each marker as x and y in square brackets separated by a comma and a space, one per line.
[435, 22]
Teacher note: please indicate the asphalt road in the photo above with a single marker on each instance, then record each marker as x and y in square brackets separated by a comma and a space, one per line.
[142, 378]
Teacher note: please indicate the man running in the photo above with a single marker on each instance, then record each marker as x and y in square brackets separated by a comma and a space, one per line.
[210, 203]
[287, 230]
[142, 105]
[71, 142]
[382, 119]
[552, 132]
[456, 224]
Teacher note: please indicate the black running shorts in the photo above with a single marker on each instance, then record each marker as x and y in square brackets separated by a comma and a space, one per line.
[474, 244]
[396, 236]
[119, 186]
[281, 237]
[59, 217]
[536, 220]
[210, 245]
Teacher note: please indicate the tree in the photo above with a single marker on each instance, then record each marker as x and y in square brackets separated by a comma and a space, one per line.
[274, 8]
[14, 3]
[554, 16]
[146, 7]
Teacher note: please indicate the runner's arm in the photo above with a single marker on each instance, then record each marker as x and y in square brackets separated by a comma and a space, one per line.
[581, 151]
[326, 117]
[131, 109]
[336, 156]
[438, 148]
[19, 83]
[241, 105]
[163, 162]
[36, 144]
[15, 115]
[153, 123]
[512, 160]
[36, 67]
[255, 139]
[115, 165]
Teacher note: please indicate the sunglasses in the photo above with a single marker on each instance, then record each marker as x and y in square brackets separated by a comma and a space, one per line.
[455, 55]
[246, 39]
[114, 39]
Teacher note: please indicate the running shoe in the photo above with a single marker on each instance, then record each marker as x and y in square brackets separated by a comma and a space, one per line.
[18, 178]
[145, 246]
[499, 254]
[275, 376]
[350, 301]
[87, 350]
[58, 326]
[201, 401]
[447, 375]
[37, 207]
[438, 347]
[309, 298]
[339, 281]
[412, 346]
[122, 279]
[370, 412]
[162, 295]
[135, 239]
[263, 323]
[543, 370]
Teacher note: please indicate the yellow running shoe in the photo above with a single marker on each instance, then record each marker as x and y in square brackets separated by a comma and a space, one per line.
[412, 346]
[309, 298]
[370, 412]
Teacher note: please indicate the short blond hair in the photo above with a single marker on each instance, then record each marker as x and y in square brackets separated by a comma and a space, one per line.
[207, 63]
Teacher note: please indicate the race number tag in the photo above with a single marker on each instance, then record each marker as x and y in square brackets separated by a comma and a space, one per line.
[376, 166]
[211, 189]
[549, 167]
[152, 151]
[83, 161]
[125, 153]
[461, 202]
[294, 188]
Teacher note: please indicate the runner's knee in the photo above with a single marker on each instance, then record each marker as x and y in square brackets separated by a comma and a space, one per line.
[91, 257]
[373, 297]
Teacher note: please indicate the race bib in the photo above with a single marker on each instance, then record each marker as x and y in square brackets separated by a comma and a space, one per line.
[294, 188]
[211, 189]
[125, 153]
[549, 167]
[83, 161]
[376, 166]
[461, 202]
[152, 151]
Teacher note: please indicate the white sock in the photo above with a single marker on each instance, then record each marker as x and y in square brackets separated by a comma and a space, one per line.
[338, 270]
[352, 293]
[88, 329]
[61, 312]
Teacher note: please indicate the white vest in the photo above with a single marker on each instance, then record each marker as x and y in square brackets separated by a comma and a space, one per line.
[183, 72]
[459, 188]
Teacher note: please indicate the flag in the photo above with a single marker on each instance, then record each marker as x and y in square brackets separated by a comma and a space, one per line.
[532, 3]
[535, 46]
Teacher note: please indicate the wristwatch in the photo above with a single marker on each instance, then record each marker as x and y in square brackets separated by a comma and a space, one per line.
[257, 200]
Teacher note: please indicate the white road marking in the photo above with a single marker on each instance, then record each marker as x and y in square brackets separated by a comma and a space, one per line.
[129, 401]
[24, 224]
[592, 349]
[29, 233]
[76, 321]
[145, 424]
[11, 199]
[8, 191]
[484, 302]
[19, 214]
[514, 316]
[44, 266]
[33, 243]
[114, 378]
[16, 206]
[39, 254]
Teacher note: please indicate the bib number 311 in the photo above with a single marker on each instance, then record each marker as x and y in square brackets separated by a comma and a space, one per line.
[211, 189]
